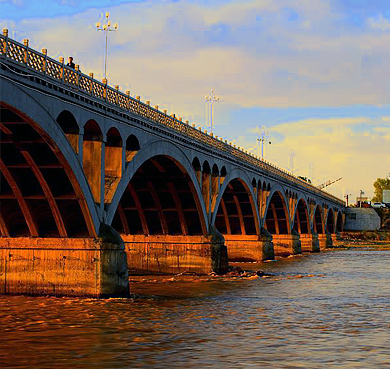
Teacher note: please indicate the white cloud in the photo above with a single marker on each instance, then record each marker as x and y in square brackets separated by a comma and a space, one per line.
[172, 53]
[379, 22]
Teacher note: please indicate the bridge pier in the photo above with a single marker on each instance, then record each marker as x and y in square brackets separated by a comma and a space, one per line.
[310, 242]
[250, 247]
[175, 254]
[286, 244]
[63, 267]
[325, 240]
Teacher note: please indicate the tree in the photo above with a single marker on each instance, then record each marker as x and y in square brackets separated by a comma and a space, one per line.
[379, 185]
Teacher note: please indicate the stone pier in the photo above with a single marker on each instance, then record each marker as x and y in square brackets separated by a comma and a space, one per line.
[249, 247]
[309, 242]
[63, 267]
[175, 254]
[325, 240]
[286, 244]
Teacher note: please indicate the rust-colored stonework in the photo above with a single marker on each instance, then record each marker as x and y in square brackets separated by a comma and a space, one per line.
[95, 183]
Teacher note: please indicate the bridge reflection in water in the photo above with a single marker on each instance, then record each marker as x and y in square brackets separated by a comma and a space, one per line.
[95, 182]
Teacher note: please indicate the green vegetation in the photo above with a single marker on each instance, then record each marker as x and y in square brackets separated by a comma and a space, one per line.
[379, 185]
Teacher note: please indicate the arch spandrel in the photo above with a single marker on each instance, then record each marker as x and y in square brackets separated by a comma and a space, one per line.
[159, 148]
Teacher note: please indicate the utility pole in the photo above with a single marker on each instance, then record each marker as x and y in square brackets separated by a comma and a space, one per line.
[292, 155]
[106, 28]
[311, 168]
[263, 138]
[210, 100]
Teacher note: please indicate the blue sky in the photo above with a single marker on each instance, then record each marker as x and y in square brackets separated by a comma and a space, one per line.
[314, 73]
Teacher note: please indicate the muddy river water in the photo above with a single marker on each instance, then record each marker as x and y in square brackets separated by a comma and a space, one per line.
[317, 311]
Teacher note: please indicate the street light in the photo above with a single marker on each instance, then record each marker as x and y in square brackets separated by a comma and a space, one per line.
[211, 99]
[292, 154]
[311, 168]
[263, 136]
[106, 28]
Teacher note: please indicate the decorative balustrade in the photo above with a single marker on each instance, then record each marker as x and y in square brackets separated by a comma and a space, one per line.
[41, 63]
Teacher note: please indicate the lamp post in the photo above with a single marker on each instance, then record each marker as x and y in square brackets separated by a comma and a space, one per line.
[311, 168]
[292, 154]
[211, 99]
[263, 138]
[106, 28]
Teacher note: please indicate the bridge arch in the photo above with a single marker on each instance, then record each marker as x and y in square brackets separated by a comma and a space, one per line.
[48, 195]
[277, 219]
[235, 210]
[172, 156]
[330, 221]
[318, 220]
[301, 219]
[339, 222]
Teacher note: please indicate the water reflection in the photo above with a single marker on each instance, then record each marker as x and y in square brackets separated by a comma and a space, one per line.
[330, 309]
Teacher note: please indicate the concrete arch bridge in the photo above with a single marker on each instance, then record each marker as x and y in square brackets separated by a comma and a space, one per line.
[94, 182]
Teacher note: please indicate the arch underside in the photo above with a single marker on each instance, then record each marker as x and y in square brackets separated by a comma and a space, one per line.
[318, 221]
[160, 199]
[276, 221]
[301, 218]
[330, 225]
[339, 222]
[236, 214]
[39, 195]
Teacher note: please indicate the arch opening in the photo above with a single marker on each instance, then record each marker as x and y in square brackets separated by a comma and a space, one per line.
[160, 199]
[69, 126]
[301, 218]
[132, 147]
[318, 223]
[113, 163]
[236, 212]
[92, 157]
[39, 196]
[339, 222]
[330, 222]
[276, 221]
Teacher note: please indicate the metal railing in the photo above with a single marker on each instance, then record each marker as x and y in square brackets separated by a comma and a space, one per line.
[57, 70]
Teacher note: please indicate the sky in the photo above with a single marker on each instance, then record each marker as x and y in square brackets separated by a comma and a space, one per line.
[314, 73]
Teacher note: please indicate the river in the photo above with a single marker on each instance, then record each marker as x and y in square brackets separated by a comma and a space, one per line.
[323, 310]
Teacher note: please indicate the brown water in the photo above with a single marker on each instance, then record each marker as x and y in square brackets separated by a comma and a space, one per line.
[319, 311]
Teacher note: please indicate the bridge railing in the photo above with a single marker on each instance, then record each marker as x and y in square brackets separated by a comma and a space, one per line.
[57, 70]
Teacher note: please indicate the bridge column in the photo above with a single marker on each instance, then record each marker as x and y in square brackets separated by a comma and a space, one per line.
[168, 254]
[287, 244]
[250, 247]
[309, 242]
[64, 266]
[81, 144]
[325, 240]
[335, 237]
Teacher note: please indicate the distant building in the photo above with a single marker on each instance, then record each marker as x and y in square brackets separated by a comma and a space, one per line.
[360, 199]
[386, 196]
[361, 219]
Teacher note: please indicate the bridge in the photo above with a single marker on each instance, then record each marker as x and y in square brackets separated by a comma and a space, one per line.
[96, 183]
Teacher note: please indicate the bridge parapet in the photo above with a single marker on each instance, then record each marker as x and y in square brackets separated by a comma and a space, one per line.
[21, 54]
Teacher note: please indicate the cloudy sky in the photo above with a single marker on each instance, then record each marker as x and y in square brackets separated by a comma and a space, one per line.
[315, 73]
